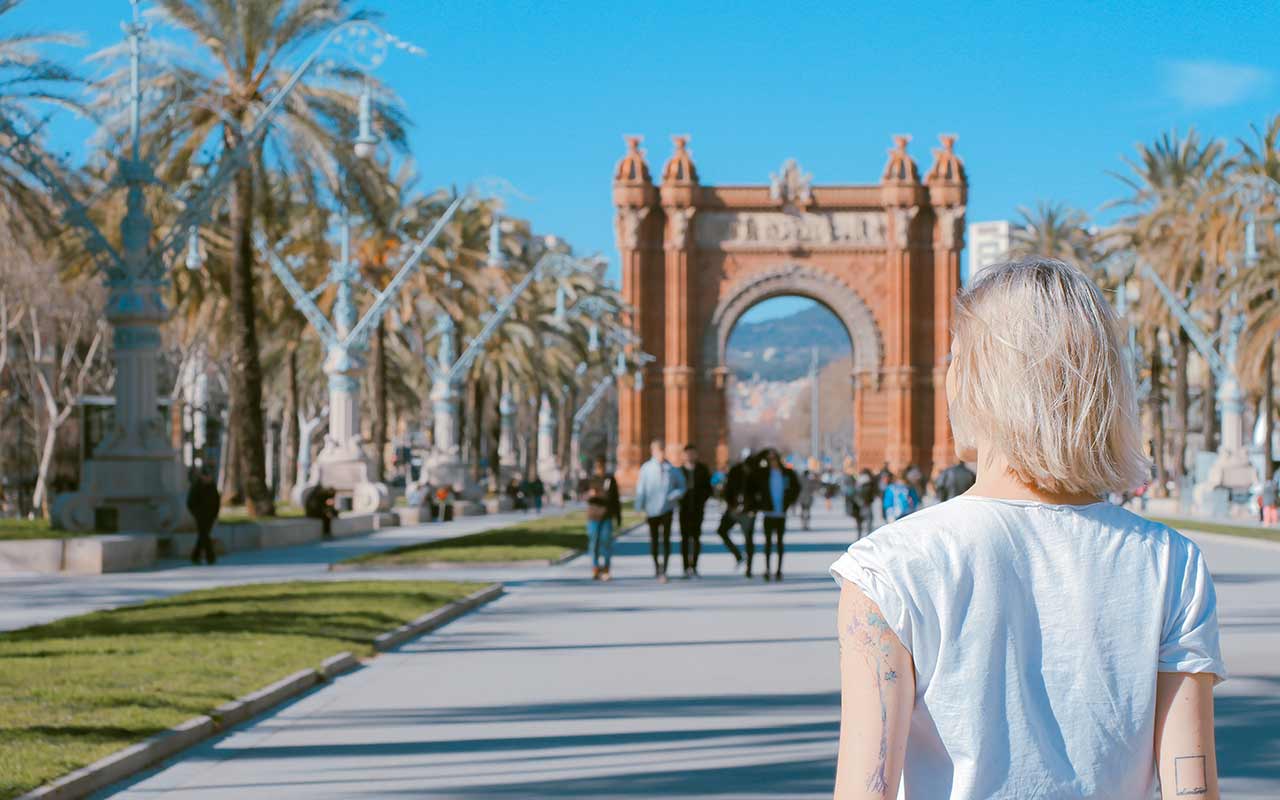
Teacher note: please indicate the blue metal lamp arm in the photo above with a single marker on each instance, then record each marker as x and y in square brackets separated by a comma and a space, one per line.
[1194, 332]
[383, 299]
[24, 155]
[301, 299]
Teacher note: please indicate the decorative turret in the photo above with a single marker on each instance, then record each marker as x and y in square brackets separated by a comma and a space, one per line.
[679, 191]
[901, 191]
[632, 168]
[948, 184]
[901, 167]
[632, 185]
[680, 168]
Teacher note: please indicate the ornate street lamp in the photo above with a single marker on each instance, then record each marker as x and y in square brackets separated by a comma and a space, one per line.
[342, 463]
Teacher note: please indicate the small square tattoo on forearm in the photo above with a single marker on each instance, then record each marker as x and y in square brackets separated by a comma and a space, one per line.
[1188, 776]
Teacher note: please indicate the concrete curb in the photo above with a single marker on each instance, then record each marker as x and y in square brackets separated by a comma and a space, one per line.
[435, 619]
[133, 759]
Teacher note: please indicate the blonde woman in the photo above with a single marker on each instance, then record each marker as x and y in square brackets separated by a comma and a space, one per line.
[1025, 640]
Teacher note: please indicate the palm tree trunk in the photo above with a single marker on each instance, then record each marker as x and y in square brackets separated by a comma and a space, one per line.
[495, 438]
[1181, 403]
[477, 430]
[289, 447]
[379, 357]
[1269, 410]
[1209, 412]
[1156, 398]
[232, 484]
[246, 368]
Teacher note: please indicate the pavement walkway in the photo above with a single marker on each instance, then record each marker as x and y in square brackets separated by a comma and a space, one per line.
[708, 688]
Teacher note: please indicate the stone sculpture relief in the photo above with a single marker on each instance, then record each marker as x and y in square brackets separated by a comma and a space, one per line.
[774, 229]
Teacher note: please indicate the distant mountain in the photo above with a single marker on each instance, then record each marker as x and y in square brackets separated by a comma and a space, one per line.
[779, 349]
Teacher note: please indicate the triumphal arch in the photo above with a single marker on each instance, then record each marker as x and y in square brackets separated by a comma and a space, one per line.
[883, 257]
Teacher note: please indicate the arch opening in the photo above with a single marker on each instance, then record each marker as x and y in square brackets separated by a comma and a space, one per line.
[788, 361]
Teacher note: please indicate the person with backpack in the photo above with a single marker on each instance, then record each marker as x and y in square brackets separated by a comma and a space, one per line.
[604, 512]
[900, 499]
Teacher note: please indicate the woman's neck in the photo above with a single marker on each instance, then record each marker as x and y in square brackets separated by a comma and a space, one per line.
[997, 481]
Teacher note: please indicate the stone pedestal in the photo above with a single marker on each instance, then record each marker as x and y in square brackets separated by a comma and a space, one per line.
[1231, 469]
[135, 476]
[342, 463]
[548, 467]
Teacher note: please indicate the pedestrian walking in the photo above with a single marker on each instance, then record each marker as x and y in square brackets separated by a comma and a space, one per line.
[954, 481]
[899, 499]
[693, 504]
[658, 490]
[737, 486]
[1025, 640]
[778, 488]
[865, 491]
[204, 502]
[604, 511]
[535, 492]
[809, 486]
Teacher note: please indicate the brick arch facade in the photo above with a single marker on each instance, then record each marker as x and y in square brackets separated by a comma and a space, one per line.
[884, 257]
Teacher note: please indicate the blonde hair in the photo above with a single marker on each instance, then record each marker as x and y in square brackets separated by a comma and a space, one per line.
[1039, 373]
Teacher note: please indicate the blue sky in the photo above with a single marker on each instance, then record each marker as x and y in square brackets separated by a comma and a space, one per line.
[1045, 96]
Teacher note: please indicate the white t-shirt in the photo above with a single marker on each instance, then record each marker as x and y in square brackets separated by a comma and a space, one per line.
[1037, 631]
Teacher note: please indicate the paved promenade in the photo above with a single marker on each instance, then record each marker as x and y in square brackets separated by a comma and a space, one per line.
[711, 688]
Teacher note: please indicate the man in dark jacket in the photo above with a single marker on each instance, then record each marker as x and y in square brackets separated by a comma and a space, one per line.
[697, 479]
[204, 502]
[777, 489]
[736, 481]
[954, 481]
[319, 504]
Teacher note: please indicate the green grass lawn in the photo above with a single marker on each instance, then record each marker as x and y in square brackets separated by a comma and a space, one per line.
[238, 515]
[538, 539]
[81, 688]
[1190, 524]
[13, 529]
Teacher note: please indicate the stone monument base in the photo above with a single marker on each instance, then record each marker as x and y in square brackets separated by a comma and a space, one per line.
[145, 492]
[350, 477]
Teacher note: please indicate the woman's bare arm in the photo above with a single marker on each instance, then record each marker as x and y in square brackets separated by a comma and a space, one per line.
[1185, 755]
[877, 693]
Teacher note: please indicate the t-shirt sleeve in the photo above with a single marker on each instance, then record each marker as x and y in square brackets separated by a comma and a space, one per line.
[1190, 640]
[874, 569]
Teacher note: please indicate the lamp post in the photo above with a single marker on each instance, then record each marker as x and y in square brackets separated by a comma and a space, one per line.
[342, 463]
[135, 470]
[445, 467]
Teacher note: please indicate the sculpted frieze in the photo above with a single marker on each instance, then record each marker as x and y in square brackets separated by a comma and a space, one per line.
[776, 229]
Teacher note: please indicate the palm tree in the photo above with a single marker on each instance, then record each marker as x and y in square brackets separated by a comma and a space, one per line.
[1169, 225]
[29, 83]
[251, 42]
[1054, 230]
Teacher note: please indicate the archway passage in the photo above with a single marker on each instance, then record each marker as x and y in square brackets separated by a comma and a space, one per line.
[883, 257]
[789, 361]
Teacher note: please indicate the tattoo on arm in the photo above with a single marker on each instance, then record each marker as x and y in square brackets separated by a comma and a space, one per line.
[1188, 776]
[868, 635]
